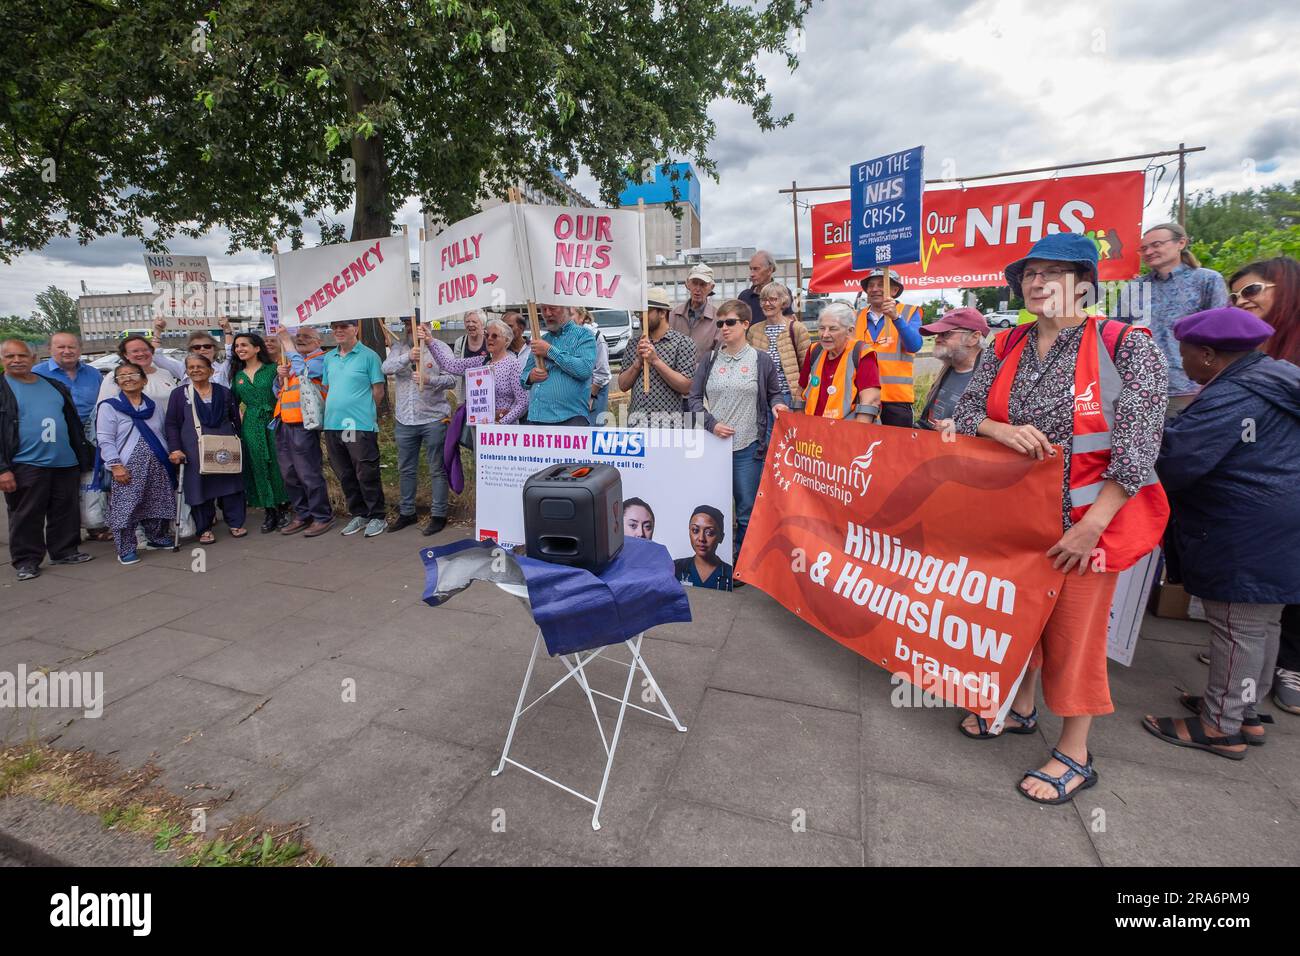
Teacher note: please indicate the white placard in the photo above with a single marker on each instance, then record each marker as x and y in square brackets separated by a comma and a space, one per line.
[481, 396]
[183, 290]
[345, 282]
[473, 264]
[672, 470]
[589, 257]
[1132, 589]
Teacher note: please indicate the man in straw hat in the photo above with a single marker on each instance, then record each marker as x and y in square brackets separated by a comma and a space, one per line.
[893, 331]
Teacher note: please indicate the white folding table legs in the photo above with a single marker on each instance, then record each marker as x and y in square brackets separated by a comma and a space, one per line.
[575, 665]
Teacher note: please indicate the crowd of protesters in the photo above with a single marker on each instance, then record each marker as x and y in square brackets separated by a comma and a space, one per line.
[1196, 446]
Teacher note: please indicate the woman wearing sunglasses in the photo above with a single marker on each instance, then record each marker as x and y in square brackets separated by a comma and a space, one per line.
[733, 390]
[199, 343]
[1270, 289]
[1175, 286]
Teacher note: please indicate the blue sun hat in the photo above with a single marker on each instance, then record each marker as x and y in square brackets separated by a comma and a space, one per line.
[1061, 247]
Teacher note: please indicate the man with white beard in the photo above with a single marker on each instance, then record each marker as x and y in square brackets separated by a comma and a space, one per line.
[958, 344]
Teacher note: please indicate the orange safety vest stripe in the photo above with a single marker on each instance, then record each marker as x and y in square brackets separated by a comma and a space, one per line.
[841, 394]
[895, 364]
[288, 407]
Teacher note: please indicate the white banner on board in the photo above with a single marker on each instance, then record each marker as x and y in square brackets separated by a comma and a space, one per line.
[473, 264]
[552, 255]
[344, 282]
[1132, 590]
[183, 291]
[672, 471]
[588, 257]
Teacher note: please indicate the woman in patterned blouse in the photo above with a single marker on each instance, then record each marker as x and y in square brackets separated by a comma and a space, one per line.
[511, 397]
[1030, 394]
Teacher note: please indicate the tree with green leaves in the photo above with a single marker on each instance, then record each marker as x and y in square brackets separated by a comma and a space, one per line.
[158, 118]
[1233, 228]
[56, 311]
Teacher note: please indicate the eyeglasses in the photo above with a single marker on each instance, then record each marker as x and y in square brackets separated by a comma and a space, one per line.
[128, 377]
[772, 298]
[1249, 291]
[1048, 275]
[1154, 244]
[721, 322]
[947, 332]
[201, 345]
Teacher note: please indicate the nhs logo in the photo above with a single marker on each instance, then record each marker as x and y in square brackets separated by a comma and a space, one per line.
[628, 444]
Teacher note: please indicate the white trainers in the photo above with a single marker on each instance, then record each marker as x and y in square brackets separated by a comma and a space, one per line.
[375, 527]
[355, 525]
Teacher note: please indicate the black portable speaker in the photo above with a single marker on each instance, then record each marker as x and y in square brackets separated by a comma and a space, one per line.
[573, 514]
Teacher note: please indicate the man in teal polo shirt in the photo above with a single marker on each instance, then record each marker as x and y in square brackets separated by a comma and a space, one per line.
[355, 386]
[559, 393]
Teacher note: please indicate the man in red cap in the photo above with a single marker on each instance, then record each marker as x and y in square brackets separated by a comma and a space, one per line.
[958, 344]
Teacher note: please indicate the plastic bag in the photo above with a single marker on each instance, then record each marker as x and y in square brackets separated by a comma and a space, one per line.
[186, 521]
[94, 502]
[311, 404]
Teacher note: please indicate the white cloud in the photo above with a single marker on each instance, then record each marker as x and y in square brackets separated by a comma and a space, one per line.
[991, 85]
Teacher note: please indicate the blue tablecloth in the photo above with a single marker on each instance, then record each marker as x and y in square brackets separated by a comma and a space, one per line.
[576, 609]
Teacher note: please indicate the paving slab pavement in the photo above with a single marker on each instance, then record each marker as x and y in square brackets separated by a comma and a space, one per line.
[305, 680]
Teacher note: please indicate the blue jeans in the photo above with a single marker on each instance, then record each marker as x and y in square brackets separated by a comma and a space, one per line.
[599, 405]
[409, 439]
[746, 472]
[786, 400]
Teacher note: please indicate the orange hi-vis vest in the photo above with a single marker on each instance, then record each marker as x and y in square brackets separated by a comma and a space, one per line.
[288, 407]
[895, 364]
[841, 391]
[1139, 525]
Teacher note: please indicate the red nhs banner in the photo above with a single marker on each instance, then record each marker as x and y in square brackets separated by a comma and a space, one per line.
[970, 235]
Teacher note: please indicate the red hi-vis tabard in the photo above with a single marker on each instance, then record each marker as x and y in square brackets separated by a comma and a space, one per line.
[1139, 525]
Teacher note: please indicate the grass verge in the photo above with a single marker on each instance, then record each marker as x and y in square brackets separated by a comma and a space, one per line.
[130, 802]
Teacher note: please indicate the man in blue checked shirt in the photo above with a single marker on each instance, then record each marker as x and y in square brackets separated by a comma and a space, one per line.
[559, 393]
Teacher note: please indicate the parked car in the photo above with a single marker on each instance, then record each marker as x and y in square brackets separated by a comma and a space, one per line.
[616, 325]
[106, 363]
[1002, 320]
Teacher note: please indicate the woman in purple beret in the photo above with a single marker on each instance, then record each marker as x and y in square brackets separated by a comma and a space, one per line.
[1230, 465]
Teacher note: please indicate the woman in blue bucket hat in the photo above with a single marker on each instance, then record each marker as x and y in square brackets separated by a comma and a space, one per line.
[1091, 390]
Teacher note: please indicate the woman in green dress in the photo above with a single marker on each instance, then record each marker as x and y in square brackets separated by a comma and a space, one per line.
[252, 375]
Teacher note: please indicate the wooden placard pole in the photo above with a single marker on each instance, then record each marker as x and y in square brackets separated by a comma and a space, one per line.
[645, 322]
[415, 325]
[279, 332]
[534, 323]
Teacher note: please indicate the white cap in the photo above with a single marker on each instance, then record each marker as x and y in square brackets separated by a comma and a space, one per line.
[701, 270]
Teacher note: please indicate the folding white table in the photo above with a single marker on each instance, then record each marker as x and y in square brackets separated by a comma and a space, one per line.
[575, 666]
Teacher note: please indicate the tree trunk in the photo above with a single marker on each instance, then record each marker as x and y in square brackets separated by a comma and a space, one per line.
[372, 218]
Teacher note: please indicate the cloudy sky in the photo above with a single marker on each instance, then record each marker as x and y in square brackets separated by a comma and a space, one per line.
[985, 86]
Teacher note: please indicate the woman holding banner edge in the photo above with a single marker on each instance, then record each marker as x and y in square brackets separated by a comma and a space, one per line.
[1097, 389]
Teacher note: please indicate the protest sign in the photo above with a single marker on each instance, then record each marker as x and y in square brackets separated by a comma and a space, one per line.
[270, 306]
[183, 290]
[346, 281]
[886, 209]
[924, 555]
[672, 471]
[584, 257]
[1132, 590]
[969, 236]
[473, 264]
[481, 396]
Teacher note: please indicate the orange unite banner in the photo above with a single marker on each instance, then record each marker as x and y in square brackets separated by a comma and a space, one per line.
[924, 553]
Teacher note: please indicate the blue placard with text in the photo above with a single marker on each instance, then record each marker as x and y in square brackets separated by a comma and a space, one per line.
[885, 227]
